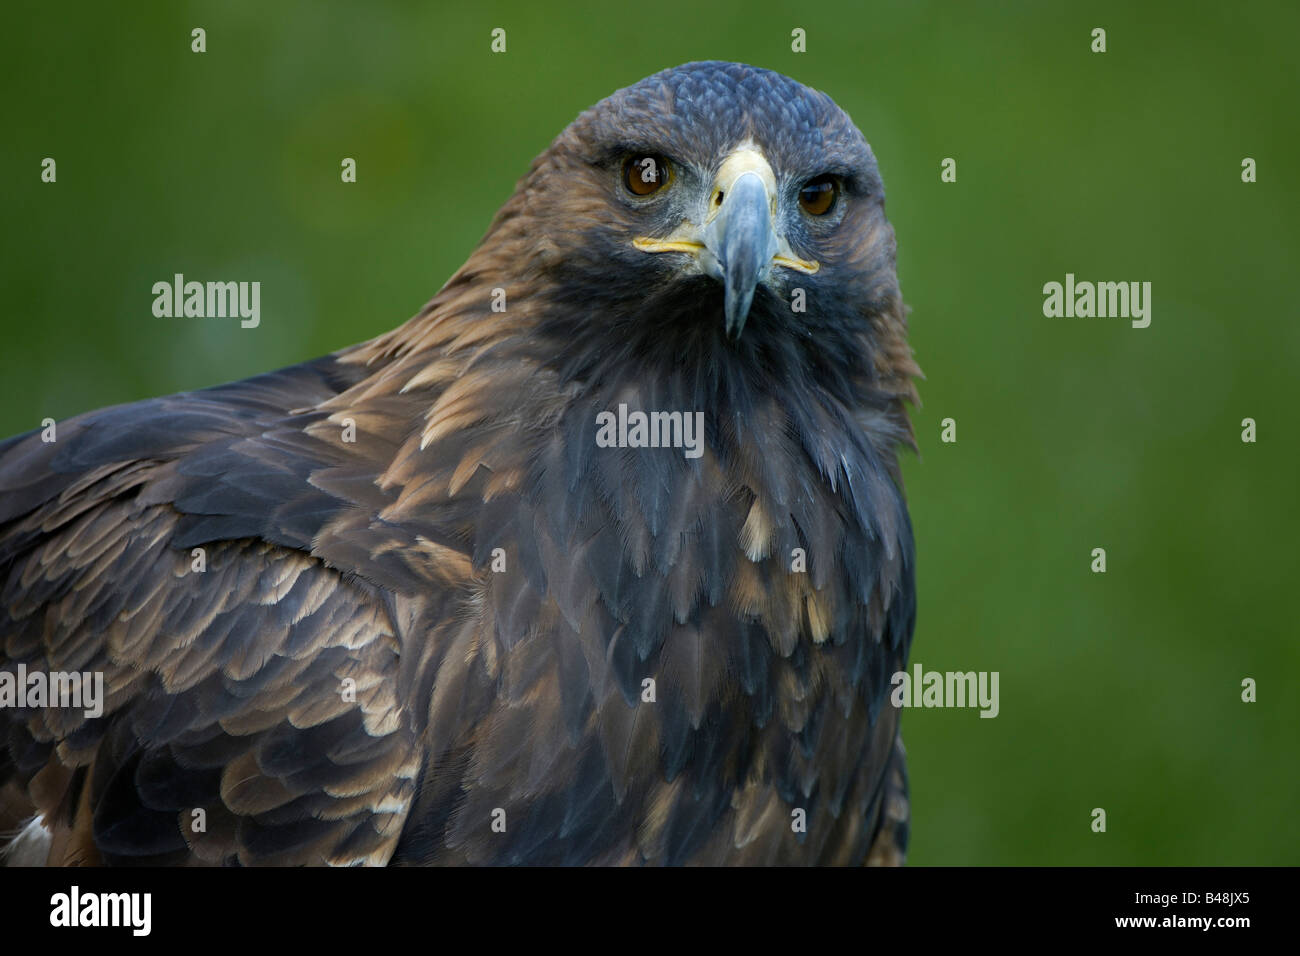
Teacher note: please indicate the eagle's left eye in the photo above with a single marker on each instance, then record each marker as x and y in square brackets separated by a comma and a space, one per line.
[818, 195]
[646, 174]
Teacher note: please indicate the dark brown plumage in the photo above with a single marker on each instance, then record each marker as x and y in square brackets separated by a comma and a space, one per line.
[497, 585]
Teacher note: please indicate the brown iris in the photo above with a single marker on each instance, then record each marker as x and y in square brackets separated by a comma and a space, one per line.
[645, 174]
[817, 197]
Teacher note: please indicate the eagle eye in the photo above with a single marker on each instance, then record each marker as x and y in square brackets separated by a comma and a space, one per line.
[818, 195]
[645, 174]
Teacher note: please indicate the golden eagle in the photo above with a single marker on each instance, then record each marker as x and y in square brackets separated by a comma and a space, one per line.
[603, 557]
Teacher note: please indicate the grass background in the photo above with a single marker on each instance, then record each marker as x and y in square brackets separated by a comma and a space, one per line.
[1120, 690]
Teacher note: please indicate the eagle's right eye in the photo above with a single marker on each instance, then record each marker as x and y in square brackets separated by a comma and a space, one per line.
[646, 174]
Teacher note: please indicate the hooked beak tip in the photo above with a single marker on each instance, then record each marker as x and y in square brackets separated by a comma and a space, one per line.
[742, 239]
[736, 305]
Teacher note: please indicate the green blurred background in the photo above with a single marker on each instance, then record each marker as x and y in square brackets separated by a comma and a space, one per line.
[1120, 690]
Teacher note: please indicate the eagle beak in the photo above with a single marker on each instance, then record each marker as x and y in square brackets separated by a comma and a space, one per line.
[741, 241]
[738, 243]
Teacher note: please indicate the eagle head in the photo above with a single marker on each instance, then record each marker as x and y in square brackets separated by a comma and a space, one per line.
[716, 199]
